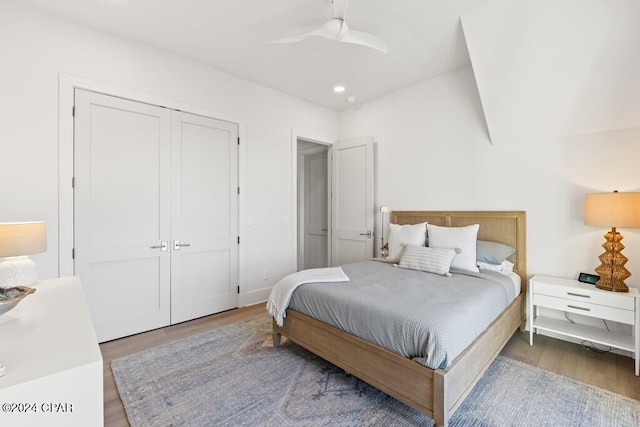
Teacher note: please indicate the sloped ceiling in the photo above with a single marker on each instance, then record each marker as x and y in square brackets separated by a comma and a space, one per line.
[424, 37]
[556, 67]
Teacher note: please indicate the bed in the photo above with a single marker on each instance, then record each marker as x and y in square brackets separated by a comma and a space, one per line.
[435, 392]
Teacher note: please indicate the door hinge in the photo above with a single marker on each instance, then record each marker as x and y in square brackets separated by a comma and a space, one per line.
[238, 239]
[238, 140]
[73, 253]
[73, 111]
[73, 182]
[238, 190]
[238, 289]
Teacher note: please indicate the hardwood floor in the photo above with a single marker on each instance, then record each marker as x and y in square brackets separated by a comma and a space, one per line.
[608, 371]
[114, 415]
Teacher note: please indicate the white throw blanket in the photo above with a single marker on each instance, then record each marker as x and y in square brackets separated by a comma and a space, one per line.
[282, 291]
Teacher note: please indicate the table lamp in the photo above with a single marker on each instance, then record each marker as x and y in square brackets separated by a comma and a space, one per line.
[384, 250]
[17, 241]
[612, 210]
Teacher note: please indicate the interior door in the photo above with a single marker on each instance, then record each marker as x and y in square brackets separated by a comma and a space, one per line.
[315, 212]
[352, 207]
[121, 212]
[204, 216]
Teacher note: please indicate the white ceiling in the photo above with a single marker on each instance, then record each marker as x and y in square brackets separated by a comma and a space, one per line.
[424, 38]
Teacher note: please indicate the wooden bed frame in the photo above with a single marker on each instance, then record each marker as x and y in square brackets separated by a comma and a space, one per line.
[436, 393]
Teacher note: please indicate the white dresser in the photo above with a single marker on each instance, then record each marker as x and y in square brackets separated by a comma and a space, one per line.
[571, 296]
[52, 359]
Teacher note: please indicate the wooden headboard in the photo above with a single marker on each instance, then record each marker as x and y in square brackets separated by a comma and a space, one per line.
[508, 227]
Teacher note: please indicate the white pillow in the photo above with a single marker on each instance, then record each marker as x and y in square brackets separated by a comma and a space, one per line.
[401, 235]
[463, 238]
[505, 268]
[431, 260]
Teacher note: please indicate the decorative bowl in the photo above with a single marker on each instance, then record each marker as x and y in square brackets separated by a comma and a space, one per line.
[10, 297]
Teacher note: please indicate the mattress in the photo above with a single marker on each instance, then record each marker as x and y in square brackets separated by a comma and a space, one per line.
[517, 282]
[422, 316]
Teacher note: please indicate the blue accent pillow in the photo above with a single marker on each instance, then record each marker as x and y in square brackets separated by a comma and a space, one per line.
[493, 252]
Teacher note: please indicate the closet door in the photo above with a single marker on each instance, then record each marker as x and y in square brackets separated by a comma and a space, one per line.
[204, 216]
[121, 212]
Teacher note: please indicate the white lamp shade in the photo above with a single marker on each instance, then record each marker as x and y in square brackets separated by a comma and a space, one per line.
[22, 238]
[612, 209]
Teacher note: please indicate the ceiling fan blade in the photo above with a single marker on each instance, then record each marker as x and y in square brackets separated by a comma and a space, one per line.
[339, 9]
[300, 37]
[365, 39]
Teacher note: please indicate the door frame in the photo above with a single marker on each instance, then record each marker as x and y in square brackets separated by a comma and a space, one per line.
[295, 137]
[66, 87]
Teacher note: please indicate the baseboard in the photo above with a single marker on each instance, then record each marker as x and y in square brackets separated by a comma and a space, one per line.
[253, 297]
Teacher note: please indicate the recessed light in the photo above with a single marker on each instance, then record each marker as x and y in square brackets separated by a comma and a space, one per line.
[351, 99]
[338, 89]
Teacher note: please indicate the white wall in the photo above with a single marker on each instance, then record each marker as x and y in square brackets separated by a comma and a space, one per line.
[434, 153]
[429, 139]
[36, 49]
[556, 67]
[560, 79]
[434, 150]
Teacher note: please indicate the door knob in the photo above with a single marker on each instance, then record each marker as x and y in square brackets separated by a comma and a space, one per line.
[177, 245]
[163, 246]
[368, 234]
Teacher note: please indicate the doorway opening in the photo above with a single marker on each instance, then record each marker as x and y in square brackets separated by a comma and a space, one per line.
[313, 205]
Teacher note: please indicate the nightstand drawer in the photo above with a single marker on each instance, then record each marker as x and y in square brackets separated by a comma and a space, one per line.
[592, 296]
[585, 308]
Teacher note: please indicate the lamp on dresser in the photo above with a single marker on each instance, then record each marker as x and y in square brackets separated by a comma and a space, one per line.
[17, 241]
[612, 210]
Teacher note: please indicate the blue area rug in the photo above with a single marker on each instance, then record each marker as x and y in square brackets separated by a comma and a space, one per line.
[233, 376]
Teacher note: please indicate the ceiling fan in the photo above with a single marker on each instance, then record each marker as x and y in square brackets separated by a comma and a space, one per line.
[336, 29]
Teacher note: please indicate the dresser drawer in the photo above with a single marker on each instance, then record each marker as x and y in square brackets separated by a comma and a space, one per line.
[585, 308]
[592, 296]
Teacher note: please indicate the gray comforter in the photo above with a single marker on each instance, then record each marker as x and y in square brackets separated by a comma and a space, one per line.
[422, 316]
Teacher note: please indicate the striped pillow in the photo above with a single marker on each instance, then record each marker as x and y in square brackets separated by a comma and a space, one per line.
[431, 260]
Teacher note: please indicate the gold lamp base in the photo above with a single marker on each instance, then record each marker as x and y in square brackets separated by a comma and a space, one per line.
[612, 285]
[612, 270]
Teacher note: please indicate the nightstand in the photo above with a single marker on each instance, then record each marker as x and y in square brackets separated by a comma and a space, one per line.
[571, 296]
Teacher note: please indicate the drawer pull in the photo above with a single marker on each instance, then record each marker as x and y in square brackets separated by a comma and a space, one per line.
[579, 308]
[578, 295]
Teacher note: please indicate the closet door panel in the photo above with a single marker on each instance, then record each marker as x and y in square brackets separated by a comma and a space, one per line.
[204, 266]
[121, 211]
